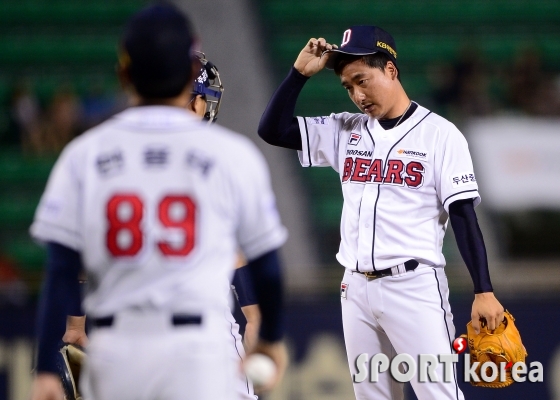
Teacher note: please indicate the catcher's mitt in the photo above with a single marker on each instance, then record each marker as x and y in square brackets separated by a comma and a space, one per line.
[70, 360]
[502, 345]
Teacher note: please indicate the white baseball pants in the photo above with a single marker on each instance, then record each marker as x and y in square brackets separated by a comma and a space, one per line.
[407, 313]
[142, 356]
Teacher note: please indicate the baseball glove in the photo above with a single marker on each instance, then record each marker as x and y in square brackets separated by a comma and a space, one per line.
[70, 360]
[503, 345]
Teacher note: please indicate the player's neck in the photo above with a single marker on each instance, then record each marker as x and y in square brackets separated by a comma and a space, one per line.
[399, 108]
[182, 100]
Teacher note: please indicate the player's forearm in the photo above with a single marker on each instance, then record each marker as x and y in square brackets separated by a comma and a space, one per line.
[60, 290]
[471, 243]
[267, 277]
[252, 314]
[278, 126]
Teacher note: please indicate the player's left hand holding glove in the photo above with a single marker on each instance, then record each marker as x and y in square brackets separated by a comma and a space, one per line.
[486, 308]
[500, 345]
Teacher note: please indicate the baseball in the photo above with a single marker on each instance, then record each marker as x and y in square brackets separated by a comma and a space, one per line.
[260, 369]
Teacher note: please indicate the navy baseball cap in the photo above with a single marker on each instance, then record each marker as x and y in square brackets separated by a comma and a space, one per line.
[361, 40]
[157, 50]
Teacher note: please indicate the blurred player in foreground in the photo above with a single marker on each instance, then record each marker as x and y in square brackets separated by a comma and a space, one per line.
[155, 204]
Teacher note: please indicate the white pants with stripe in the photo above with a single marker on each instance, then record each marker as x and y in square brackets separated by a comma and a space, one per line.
[407, 313]
[243, 385]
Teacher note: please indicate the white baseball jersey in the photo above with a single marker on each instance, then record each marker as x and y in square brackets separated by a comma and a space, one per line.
[158, 204]
[397, 184]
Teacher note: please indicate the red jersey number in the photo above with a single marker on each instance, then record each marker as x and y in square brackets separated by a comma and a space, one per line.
[125, 212]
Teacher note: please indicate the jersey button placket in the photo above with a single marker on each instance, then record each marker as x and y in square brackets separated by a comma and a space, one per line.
[366, 215]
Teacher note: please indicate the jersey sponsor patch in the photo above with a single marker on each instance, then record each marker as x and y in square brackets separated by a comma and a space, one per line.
[343, 290]
[354, 139]
[463, 178]
[416, 154]
[361, 153]
[318, 120]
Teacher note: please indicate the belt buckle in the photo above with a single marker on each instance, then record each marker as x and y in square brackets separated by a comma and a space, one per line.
[371, 275]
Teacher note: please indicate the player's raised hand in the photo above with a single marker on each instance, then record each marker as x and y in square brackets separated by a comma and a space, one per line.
[487, 307]
[311, 58]
[47, 387]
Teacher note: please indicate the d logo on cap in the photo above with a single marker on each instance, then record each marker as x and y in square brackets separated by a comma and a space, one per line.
[346, 37]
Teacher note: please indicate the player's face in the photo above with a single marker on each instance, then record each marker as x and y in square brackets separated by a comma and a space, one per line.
[371, 89]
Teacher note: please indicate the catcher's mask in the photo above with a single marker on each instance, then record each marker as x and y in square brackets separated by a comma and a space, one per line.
[209, 85]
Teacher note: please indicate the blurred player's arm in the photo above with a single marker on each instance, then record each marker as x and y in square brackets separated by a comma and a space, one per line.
[260, 234]
[473, 251]
[265, 272]
[76, 322]
[247, 299]
[61, 290]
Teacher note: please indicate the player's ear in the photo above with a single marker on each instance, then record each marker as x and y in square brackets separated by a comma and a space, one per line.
[392, 70]
[122, 69]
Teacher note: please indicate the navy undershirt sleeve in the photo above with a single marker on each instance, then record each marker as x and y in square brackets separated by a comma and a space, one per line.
[60, 297]
[278, 126]
[265, 272]
[471, 243]
[244, 288]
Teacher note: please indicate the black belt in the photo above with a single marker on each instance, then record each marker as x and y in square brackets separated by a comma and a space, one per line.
[409, 265]
[176, 320]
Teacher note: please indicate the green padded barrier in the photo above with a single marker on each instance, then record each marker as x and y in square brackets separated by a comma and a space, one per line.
[28, 254]
[15, 168]
[406, 12]
[327, 212]
[17, 212]
[54, 49]
[62, 13]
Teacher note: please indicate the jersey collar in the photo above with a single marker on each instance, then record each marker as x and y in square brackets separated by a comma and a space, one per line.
[373, 122]
[157, 118]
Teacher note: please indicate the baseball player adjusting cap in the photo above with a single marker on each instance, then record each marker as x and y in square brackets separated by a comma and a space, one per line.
[362, 40]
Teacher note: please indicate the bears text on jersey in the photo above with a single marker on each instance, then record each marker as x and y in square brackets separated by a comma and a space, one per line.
[363, 170]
